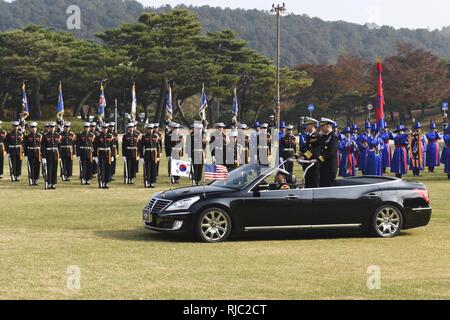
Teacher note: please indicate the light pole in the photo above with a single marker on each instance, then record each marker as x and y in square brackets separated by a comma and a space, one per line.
[278, 9]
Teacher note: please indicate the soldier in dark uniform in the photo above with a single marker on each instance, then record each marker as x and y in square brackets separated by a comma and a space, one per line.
[176, 143]
[114, 149]
[160, 136]
[328, 156]
[85, 153]
[130, 153]
[310, 151]
[167, 146]
[14, 148]
[50, 155]
[2, 149]
[150, 152]
[103, 144]
[217, 144]
[67, 147]
[95, 132]
[197, 152]
[32, 146]
[288, 148]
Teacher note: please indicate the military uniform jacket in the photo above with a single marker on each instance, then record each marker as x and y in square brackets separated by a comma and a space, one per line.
[14, 143]
[67, 145]
[50, 146]
[130, 145]
[115, 144]
[149, 147]
[329, 149]
[2, 143]
[103, 144]
[311, 148]
[288, 146]
[32, 145]
[85, 146]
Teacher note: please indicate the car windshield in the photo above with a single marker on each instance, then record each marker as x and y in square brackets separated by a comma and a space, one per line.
[242, 176]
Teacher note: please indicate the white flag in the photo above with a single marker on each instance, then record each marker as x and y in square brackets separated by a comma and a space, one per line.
[180, 168]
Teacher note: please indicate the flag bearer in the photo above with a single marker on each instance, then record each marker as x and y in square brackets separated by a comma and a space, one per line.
[50, 156]
[103, 144]
[14, 148]
[130, 153]
[150, 152]
[417, 143]
[348, 148]
[32, 147]
[433, 157]
[67, 148]
[2, 149]
[400, 160]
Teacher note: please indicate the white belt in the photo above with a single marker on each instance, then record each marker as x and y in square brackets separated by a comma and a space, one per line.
[34, 148]
[15, 146]
[104, 149]
[51, 149]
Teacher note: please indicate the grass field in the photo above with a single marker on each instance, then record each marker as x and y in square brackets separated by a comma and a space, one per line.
[44, 232]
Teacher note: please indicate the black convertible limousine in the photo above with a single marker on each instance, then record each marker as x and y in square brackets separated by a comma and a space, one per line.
[246, 202]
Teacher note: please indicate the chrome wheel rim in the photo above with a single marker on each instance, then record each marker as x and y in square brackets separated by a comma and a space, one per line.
[388, 221]
[214, 226]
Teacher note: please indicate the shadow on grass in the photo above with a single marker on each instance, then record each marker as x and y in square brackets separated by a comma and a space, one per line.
[139, 235]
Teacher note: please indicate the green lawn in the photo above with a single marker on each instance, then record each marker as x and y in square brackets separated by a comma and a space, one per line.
[44, 232]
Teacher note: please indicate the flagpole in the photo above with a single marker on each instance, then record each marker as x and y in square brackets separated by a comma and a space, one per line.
[115, 115]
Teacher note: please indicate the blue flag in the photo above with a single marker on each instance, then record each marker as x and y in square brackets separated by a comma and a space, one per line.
[203, 102]
[60, 108]
[169, 108]
[235, 102]
[25, 106]
[102, 102]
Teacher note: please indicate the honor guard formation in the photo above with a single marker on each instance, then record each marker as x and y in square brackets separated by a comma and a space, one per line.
[373, 150]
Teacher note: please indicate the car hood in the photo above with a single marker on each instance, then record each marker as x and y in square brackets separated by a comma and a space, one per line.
[183, 193]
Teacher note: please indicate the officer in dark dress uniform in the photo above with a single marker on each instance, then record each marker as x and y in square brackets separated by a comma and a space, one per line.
[67, 151]
[197, 146]
[103, 156]
[2, 149]
[310, 151]
[115, 149]
[288, 148]
[85, 153]
[14, 148]
[328, 155]
[95, 132]
[50, 156]
[130, 153]
[160, 136]
[150, 152]
[32, 147]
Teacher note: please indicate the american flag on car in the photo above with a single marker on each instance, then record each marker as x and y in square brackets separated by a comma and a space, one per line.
[216, 172]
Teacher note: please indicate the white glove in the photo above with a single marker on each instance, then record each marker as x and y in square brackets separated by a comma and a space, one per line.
[26, 158]
[44, 161]
[124, 159]
[113, 159]
[96, 160]
[142, 161]
[78, 158]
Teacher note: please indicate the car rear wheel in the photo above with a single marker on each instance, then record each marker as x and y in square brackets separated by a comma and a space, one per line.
[387, 222]
[213, 225]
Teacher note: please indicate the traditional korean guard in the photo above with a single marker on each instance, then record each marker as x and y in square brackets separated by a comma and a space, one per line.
[288, 148]
[387, 136]
[197, 148]
[103, 144]
[374, 159]
[328, 156]
[446, 153]
[150, 152]
[67, 151]
[14, 148]
[85, 154]
[433, 158]
[114, 148]
[130, 153]
[32, 147]
[2, 150]
[363, 146]
[354, 137]
[417, 144]
[348, 148]
[50, 156]
[310, 151]
[400, 159]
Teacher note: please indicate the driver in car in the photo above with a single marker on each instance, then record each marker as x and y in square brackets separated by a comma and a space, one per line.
[280, 182]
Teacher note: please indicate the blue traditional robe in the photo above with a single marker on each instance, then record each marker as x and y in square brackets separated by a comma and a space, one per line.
[433, 156]
[347, 165]
[387, 152]
[446, 153]
[400, 159]
[374, 157]
[362, 142]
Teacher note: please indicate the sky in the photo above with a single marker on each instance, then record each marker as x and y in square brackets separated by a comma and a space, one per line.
[413, 14]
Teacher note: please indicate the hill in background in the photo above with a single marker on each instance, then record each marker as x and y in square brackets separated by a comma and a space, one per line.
[305, 39]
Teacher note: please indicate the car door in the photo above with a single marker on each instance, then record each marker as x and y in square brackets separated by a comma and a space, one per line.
[276, 209]
[342, 205]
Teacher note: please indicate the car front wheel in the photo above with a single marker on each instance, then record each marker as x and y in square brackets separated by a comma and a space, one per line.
[387, 222]
[213, 225]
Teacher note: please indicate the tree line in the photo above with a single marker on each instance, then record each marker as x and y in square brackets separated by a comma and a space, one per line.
[169, 48]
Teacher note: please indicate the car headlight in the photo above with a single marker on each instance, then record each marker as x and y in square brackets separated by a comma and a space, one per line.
[183, 204]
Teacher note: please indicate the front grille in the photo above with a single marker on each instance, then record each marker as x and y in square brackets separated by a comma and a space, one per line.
[157, 205]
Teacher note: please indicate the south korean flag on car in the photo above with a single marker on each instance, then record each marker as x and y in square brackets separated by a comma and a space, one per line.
[181, 168]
